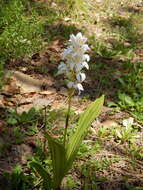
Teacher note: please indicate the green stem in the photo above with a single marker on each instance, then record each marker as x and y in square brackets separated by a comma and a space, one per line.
[67, 116]
[44, 144]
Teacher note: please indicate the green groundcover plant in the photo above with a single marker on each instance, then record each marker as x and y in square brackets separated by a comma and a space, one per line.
[63, 153]
[20, 32]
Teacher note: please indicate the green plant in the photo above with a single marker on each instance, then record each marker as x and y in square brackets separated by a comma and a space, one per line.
[63, 156]
[76, 6]
[17, 135]
[16, 180]
[89, 178]
[88, 171]
[125, 101]
[131, 91]
[25, 117]
[22, 124]
[20, 34]
[71, 183]
[88, 148]
[132, 187]
[103, 132]
[136, 151]
[128, 133]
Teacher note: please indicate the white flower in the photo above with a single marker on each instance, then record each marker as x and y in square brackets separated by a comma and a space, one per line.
[70, 84]
[71, 65]
[67, 52]
[62, 68]
[86, 57]
[77, 40]
[79, 87]
[128, 122]
[85, 65]
[80, 77]
[75, 60]
[79, 67]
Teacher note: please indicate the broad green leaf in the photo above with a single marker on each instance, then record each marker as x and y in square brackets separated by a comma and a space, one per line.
[58, 155]
[12, 121]
[84, 123]
[126, 99]
[47, 182]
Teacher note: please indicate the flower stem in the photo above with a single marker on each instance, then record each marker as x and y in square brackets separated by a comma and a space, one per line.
[45, 121]
[67, 116]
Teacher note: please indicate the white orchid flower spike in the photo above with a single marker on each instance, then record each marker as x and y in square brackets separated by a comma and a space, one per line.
[75, 60]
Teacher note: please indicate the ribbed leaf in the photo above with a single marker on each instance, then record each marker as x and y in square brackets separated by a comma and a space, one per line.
[84, 123]
[58, 160]
[47, 182]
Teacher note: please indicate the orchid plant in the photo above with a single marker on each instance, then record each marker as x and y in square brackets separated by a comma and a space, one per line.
[76, 60]
[63, 154]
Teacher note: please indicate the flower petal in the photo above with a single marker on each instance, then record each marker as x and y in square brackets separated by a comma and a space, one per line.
[85, 47]
[85, 64]
[86, 57]
[78, 67]
[73, 39]
[70, 84]
[62, 68]
[66, 52]
[79, 87]
[80, 38]
[71, 65]
[80, 77]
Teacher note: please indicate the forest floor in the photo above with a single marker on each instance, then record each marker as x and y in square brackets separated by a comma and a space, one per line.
[111, 156]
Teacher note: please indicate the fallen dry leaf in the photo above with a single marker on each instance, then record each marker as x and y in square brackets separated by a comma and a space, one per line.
[48, 92]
